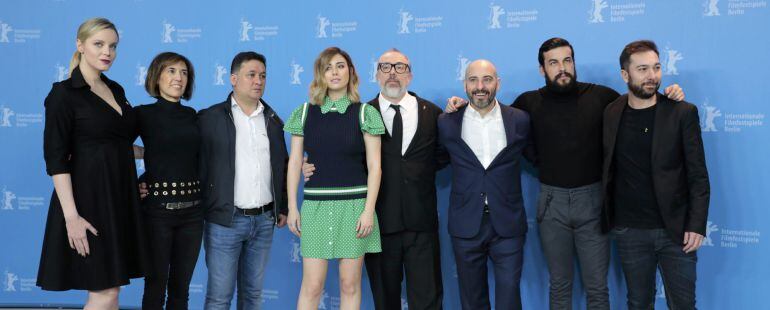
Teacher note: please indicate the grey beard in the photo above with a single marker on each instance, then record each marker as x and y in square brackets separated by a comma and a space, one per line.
[393, 92]
[481, 104]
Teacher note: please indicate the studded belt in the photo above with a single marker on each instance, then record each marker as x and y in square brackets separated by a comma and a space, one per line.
[165, 188]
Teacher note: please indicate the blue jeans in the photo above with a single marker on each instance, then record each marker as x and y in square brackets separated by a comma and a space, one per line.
[238, 252]
[641, 252]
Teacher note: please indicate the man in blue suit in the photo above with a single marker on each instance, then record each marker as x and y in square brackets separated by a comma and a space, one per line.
[485, 141]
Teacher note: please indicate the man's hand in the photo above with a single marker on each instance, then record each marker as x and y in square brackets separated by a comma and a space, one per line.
[281, 220]
[455, 103]
[692, 241]
[674, 92]
[307, 169]
[143, 192]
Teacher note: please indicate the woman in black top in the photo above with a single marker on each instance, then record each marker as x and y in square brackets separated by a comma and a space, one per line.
[87, 142]
[173, 218]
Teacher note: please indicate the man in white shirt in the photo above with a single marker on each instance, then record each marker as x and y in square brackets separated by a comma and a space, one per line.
[485, 141]
[243, 172]
[406, 206]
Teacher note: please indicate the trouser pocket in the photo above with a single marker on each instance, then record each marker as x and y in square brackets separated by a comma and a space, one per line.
[543, 203]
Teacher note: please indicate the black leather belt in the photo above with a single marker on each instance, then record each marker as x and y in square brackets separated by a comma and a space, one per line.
[255, 211]
[180, 205]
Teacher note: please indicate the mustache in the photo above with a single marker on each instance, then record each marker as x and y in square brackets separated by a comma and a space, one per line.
[560, 75]
[480, 91]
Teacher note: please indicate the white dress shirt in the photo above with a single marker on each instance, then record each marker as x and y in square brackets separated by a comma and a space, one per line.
[253, 177]
[485, 135]
[409, 117]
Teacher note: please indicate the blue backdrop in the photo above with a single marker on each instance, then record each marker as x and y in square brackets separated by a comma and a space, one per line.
[716, 50]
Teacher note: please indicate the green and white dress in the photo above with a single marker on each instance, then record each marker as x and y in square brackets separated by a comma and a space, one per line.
[335, 196]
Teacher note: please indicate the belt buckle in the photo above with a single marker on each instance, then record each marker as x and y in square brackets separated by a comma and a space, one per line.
[258, 211]
[248, 212]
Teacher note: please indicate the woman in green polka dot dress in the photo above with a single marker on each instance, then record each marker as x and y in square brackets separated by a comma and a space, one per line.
[337, 219]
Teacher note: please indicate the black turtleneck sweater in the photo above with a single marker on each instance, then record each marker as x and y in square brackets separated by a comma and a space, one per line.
[169, 131]
[567, 132]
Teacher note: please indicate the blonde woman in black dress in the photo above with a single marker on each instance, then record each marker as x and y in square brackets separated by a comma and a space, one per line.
[93, 237]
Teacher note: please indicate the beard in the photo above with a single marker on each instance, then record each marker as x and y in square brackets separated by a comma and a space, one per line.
[554, 86]
[481, 103]
[640, 92]
[391, 91]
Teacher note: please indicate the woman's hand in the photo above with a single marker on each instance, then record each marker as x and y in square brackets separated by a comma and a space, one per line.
[294, 222]
[365, 224]
[76, 234]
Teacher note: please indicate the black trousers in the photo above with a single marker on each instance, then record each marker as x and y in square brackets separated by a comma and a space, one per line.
[174, 239]
[415, 254]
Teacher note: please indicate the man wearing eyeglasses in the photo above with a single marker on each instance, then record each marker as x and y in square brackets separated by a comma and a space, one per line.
[406, 205]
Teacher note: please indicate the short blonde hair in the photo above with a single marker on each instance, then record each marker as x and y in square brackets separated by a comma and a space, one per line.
[318, 88]
[85, 31]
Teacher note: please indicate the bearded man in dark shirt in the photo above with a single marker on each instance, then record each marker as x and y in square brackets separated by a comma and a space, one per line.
[566, 119]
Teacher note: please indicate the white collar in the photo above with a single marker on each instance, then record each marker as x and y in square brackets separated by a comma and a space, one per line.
[258, 111]
[408, 102]
[492, 114]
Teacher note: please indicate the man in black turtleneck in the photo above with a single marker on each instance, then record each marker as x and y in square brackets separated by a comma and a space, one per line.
[566, 120]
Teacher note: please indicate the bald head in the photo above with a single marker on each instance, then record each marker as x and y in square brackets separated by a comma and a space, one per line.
[481, 65]
[394, 54]
[481, 84]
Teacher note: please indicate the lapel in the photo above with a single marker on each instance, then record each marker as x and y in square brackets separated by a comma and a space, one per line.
[613, 121]
[658, 131]
[230, 124]
[457, 119]
[510, 124]
[422, 111]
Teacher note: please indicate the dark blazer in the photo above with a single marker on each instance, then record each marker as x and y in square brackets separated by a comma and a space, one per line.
[217, 168]
[679, 175]
[407, 197]
[500, 183]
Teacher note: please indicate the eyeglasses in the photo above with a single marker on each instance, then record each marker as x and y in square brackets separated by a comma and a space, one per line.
[399, 66]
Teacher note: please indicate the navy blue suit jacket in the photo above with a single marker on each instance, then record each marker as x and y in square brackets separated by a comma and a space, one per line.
[500, 183]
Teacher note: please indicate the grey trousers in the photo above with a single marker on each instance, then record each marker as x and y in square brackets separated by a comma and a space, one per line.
[569, 223]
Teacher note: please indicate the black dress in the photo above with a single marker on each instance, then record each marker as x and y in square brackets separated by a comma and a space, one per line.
[91, 141]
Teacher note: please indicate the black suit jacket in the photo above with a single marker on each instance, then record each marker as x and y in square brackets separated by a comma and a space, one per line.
[679, 176]
[217, 161]
[407, 197]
